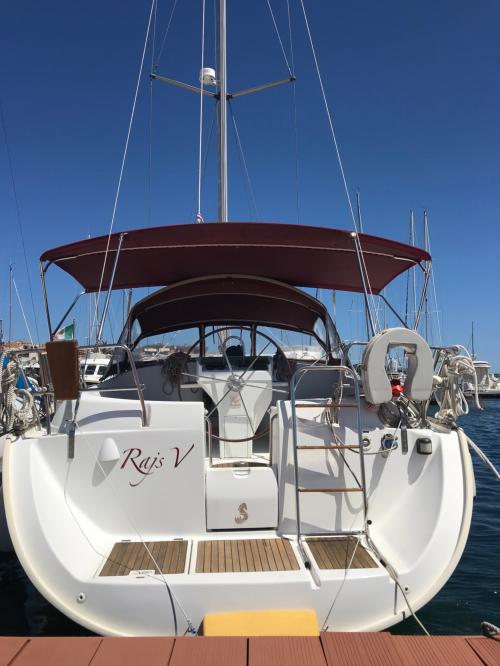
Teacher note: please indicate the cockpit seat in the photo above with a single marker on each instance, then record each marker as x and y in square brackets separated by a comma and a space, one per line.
[376, 383]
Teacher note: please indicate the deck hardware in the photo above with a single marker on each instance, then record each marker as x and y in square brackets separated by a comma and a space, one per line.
[404, 433]
[81, 597]
[388, 443]
[424, 446]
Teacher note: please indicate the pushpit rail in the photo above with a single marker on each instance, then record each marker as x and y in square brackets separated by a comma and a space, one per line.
[46, 391]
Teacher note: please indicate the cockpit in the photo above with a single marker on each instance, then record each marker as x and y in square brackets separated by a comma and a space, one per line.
[229, 342]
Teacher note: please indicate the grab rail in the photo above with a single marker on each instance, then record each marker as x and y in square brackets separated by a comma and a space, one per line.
[138, 386]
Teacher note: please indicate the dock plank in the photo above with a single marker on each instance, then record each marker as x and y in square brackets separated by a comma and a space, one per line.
[209, 651]
[366, 649]
[339, 649]
[431, 650]
[133, 651]
[285, 651]
[77, 651]
[10, 646]
[488, 649]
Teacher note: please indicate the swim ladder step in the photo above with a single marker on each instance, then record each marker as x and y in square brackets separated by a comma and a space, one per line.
[329, 490]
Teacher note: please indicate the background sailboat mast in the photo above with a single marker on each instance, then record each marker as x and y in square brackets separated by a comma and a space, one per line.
[10, 302]
[222, 114]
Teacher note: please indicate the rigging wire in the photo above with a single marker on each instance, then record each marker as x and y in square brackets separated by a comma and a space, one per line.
[330, 120]
[294, 113]
[341, 166]
[434, 294]
[22, 311]
[199, 217]
[167, 30]
[122, 167]
[150, 147]
[250, 190]
[205, 159]
[18, 215]
[279, 38]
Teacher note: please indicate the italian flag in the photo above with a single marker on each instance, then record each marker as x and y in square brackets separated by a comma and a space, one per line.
[65, 333]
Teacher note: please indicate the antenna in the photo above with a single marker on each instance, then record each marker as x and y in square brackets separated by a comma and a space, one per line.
[221, 96]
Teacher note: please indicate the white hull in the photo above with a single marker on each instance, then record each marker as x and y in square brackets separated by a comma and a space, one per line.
[65, 516]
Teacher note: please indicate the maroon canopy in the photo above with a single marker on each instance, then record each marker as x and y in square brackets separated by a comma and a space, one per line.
[295, 254]
[224, 299]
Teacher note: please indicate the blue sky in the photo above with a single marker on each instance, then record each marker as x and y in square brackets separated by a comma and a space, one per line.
[415, 96]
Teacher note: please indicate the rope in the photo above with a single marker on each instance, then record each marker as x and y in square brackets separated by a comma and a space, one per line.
[290, 70]
[161, 578]
[449, 393]
[199, 217]
[18, 215]
[489, 630]
[346, 571]
[246, 173]
[394, 576]
[482, 456]
[122, 167]
[12, 416]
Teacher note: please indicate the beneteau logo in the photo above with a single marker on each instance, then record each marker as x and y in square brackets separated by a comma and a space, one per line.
[148, 465]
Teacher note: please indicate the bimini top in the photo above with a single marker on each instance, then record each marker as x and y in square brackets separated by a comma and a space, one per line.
[228, 300]
[298, 255]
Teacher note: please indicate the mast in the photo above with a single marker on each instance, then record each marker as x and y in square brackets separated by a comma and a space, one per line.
[360, 230]
[414, 277]
[222, 114]
[472, 343]
[426, 247]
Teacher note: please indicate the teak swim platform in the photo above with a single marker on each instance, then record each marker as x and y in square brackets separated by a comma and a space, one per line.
[232, 556]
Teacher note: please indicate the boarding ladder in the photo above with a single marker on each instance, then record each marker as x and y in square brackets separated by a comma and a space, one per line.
[299, 449]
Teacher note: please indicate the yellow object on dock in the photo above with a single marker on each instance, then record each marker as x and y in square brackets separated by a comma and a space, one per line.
[262, 623]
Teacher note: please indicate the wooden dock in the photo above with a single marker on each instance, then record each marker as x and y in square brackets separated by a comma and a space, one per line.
[340, 649]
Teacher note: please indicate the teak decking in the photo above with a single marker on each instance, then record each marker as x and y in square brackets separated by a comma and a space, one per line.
[337, 553]
[127, 556]
[235, 555]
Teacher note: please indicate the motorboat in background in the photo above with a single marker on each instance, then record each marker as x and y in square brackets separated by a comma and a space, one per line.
[93, 366]
[488, 383]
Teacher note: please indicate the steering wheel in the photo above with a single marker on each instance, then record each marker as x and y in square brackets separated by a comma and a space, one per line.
[237, 380]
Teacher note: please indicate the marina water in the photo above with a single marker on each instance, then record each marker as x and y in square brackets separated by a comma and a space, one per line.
[471, 595]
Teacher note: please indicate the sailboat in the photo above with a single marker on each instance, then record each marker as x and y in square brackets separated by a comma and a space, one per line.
[231, 487]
